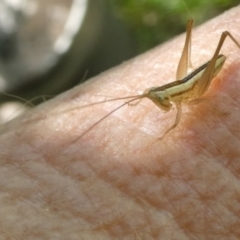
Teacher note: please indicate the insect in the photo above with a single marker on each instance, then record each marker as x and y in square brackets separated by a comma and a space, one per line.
[186, 90]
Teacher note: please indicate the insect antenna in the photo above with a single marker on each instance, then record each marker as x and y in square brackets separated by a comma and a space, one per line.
[134, 98]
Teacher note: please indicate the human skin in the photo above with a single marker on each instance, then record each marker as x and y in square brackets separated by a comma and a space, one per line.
[119, 181]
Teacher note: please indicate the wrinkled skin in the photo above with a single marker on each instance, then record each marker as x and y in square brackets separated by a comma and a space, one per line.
[118, 181]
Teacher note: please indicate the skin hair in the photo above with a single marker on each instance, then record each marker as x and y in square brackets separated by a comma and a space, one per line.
[118, 181]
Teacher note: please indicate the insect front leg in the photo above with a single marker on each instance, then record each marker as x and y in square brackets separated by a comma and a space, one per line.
[177, 120]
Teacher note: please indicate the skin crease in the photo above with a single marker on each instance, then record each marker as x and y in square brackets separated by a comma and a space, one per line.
[118, 181]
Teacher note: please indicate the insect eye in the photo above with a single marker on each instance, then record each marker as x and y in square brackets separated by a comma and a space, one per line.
[161, 98]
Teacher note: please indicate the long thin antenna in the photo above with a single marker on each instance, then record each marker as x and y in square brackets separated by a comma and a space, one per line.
[111, 112]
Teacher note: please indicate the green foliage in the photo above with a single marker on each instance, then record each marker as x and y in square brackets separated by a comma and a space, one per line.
[155, 21]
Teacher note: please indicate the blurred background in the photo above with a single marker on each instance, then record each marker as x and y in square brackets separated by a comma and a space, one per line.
[155, 21]
[48, 46]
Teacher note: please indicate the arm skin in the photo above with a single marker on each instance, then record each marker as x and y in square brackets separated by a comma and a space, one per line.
[118, 181]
